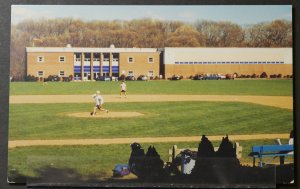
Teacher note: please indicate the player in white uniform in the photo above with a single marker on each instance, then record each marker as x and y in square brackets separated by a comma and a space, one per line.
[99, 102]
[123, 89]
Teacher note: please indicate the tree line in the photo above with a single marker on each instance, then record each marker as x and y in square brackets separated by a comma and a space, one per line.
[143, 33]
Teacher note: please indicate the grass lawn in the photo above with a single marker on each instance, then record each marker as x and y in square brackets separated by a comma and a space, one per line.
[205, 87]
[98, 160]
[48, 121]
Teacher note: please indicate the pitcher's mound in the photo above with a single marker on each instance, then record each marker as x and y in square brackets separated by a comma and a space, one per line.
[106, 115]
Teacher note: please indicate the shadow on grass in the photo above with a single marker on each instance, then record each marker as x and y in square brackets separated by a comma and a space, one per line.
[210, 169]
[206, 167]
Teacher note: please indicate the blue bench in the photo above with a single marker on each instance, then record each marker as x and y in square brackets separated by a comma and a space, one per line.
[271, 151]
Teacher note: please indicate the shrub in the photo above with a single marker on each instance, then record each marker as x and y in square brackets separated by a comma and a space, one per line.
[264, 75]
[279, 76]
[66, 79]
[235, 75]
[52, 78]
[122, 77]
[31, 78]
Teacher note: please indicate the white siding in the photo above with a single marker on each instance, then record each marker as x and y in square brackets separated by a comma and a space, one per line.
[172, 55]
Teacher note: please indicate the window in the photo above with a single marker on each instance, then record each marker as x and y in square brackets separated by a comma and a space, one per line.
[150, 60]
[40, 74]
[40, 59]
[62, 59]
[61, 73]
[130, 60]
[150, 73]
[130, 73]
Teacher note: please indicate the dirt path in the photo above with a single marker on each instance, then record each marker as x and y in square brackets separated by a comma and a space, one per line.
[22, 143]
[275, 101]
[105, 115]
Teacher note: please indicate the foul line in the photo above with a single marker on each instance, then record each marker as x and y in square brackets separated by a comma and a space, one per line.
[24, 143]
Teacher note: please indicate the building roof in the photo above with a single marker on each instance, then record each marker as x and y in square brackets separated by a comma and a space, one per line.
[88, 49]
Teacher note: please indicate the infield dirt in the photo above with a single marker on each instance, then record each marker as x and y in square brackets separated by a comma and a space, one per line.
[105, 115]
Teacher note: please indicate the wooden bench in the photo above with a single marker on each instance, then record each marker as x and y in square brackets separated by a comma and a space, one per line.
[175, 151]
[271, 151]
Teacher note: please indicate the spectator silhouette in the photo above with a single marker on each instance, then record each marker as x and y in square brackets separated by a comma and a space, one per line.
[226, 149]
[203, 161]
[136, 159]
[147, 166]
[205, 148]
[153, 165]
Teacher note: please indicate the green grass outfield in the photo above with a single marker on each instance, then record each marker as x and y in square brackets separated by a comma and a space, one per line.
[99, 160]
[201, 87]
[49, 121]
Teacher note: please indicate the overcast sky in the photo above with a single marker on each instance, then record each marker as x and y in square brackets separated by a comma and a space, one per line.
[240, 14]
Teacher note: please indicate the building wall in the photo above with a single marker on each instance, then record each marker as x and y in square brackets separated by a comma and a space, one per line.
[188, 70]
[140, 65]
[248, 61]
[180, 61]
[51, 64]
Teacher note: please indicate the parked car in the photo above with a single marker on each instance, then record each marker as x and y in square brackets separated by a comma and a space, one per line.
[198, 77]
[222, 76]
[229, 76]
[175, 77]
[53, 78]
[106, 78]
[142, 78]
[113, 78]
[213, 77]
[130, 78]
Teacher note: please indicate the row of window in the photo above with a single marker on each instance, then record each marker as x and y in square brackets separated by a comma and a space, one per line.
[62, 59]
[150, 73]
[264, 62]
[60, 74]
[131, 60]
[41, 59]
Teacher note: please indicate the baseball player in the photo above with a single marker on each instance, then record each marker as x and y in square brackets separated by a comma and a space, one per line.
[99, 102]
[123, 89]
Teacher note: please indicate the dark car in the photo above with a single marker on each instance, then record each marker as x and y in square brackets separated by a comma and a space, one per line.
[198, 77]
[213, 77]
[106, 78]
[175, 77]
[142, 78]
[130, 78]
[53, 78]
[229, 76]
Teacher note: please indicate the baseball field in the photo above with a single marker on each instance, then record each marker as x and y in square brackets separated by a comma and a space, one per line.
[50, 124]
